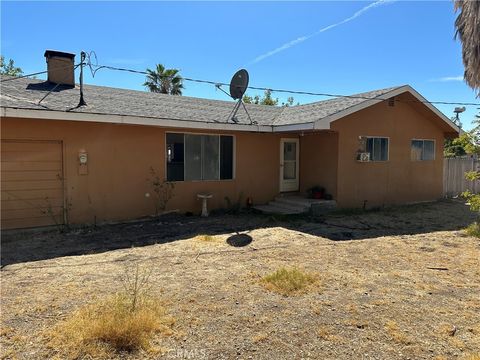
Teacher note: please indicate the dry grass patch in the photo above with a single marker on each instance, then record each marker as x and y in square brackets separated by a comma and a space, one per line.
[472, 357]
[287, 281]
[214, 295]
[447, 330]
[109, 326]
[260, 338]
[396, 334]
[207, 238]
[326, 333]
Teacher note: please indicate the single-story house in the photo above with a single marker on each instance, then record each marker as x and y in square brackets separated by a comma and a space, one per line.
[63, 163]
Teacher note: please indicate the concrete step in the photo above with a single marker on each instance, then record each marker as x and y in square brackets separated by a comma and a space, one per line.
[305, 201]
[296, 204]
[320, 208]
[295, 201]
[273, 209]
[299, 208]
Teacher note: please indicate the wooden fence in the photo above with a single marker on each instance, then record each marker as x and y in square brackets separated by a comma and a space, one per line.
[454, 182]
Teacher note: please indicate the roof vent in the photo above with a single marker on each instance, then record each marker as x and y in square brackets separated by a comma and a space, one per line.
[60, 67]
[391, 101]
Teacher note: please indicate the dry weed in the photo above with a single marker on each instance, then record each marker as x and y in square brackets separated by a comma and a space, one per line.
[105, 327]
[447, 330]
[259, 338]
[475, 356]
[206, 238]
[289, 281]
[326, 333]
[396, 334]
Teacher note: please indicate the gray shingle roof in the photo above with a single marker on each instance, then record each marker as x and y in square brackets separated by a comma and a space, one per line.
[25, 93]
[312, 112]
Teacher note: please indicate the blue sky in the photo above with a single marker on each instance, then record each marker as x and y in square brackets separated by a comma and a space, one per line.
[288, 45]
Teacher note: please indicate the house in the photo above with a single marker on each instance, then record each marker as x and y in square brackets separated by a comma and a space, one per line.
[91, 163]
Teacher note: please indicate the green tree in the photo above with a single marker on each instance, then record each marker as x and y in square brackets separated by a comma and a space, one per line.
[267, 99]
[473, 200]
[465, 144]
[9, 68]
[248, 99]
[165, 81]
[289, 102]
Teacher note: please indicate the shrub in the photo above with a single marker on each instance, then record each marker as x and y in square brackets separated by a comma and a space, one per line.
[473, 200]
[473, 229]
[288, 281]
[126, 321]
[162, 191]
[99, 329]
[234, 207]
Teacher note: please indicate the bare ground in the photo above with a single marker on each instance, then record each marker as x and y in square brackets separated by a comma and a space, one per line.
[406, 287]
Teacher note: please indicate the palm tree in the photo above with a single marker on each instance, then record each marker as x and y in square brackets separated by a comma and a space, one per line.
[468, 31]
[165, 81]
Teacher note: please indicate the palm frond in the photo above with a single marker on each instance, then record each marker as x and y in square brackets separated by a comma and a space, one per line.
[468, 31]
[165, 81]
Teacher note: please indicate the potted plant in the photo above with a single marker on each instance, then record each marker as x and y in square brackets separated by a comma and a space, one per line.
[316, 192]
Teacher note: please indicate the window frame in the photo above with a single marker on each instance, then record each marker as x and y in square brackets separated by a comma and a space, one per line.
[234, 155]
[377, 137]
[423, 147]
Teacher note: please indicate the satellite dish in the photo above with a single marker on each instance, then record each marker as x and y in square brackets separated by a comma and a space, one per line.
[239, 84]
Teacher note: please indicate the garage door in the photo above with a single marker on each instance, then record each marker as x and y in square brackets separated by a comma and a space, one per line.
[32, 184]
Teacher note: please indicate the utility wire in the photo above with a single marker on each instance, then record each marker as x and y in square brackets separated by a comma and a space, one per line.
[38, 73]
[95, 68]
[218, 84]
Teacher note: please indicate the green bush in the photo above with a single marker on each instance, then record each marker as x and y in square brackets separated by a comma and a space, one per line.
[473, 229]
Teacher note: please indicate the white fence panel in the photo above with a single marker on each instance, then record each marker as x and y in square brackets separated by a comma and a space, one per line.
[454, 182]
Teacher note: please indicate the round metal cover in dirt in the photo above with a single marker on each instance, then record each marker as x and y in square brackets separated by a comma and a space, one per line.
[239, 240]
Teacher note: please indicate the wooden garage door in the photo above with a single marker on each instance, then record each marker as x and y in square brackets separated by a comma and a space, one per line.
[32, 183]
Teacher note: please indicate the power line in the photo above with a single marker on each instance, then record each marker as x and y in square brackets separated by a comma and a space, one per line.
[39, 73]
[95, 68]
[296, 92]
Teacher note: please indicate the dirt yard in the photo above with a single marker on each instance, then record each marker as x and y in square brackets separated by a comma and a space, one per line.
[401, 283]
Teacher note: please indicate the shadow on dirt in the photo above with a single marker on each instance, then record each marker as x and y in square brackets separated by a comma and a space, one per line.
[34, 245]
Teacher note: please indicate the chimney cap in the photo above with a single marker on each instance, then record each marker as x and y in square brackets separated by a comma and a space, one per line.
[50, 53]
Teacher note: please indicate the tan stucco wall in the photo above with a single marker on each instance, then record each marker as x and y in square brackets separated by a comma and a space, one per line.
[318, 161]
[119, 158]
[398, 180]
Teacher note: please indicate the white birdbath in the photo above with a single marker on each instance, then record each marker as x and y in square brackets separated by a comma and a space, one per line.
[204, 198]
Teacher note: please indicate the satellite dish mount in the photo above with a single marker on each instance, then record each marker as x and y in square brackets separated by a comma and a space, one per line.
[238, 86]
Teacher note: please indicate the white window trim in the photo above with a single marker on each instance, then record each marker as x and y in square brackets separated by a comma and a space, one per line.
[234, 155]
[388, 147]
[434, 149]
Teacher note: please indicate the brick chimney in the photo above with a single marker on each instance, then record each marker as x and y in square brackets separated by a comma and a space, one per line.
[60, 67]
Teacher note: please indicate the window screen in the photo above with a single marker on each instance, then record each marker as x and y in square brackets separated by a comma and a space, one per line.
[378, 148]
[210, 157]
[422, 150]
[193, 153]
[199, 157]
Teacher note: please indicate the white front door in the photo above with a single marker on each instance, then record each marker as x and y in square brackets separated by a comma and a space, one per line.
[289, 151]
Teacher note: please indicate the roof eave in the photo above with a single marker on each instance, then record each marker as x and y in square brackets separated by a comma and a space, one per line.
[128, 120]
